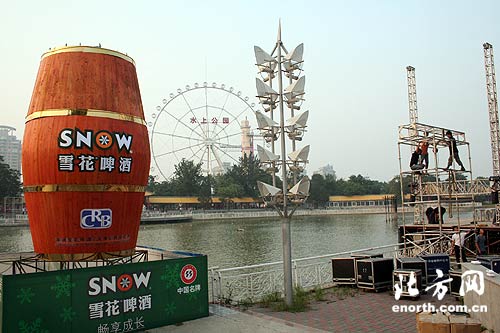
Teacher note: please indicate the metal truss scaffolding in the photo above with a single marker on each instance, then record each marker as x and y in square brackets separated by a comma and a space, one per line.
[436, 186]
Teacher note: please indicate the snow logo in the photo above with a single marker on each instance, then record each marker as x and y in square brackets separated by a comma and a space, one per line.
[100, 285]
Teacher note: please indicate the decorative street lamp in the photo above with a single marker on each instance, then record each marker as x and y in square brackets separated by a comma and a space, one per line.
[276, 66]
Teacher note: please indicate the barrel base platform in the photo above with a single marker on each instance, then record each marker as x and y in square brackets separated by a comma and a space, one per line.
[31, 262]
[86, 256]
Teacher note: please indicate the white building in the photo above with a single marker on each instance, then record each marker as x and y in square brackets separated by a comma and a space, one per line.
[325, 171]
[10, 147]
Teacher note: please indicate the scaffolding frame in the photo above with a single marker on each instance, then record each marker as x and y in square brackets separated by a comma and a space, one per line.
[436, 185]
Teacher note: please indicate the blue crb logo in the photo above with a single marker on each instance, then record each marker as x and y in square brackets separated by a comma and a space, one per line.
[96, 218]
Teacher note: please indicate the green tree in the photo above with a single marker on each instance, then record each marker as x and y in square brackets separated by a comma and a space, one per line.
[10, 184]
[206, 188]
[251, 172]
[188, 178]
[152, 184]
[245, 175]
[357, 185]
[164, 188]
[394, 186]
[318, 194]
[331, 184]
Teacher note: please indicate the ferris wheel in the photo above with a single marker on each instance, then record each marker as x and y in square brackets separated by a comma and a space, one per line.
[206, 123]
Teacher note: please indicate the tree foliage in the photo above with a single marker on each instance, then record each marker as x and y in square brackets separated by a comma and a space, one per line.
[319, 192]
[10, 184]
[241, 181]
[245, 175]
[358, 185]
[188, 180]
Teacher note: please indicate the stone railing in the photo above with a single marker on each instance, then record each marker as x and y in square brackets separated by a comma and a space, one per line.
[253, 282]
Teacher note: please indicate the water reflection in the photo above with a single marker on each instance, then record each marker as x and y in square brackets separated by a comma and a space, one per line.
[15, 239]
[230, 243]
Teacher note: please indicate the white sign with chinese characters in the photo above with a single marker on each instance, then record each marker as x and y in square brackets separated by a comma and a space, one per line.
[472, 280]
[103, 140]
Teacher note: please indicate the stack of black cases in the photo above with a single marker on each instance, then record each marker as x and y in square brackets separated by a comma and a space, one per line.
[361, 256]
[344, 269]
[401, 278]
[375, 273]
[413, 263]
[436, 261]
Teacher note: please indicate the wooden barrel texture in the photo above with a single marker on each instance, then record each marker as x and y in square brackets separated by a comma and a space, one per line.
[85, 154]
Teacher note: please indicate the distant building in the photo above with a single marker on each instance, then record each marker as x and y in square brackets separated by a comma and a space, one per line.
[327, 170]
[10, 147]
[361, 201]
[246, 139]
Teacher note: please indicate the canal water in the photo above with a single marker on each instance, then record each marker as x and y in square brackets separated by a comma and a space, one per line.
[241, 242]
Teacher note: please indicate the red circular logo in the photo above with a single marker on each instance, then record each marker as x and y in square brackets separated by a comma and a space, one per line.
[188, 274]
[104, 139]
[124, 282]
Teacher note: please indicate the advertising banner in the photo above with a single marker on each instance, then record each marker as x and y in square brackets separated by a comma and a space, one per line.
[109, 299]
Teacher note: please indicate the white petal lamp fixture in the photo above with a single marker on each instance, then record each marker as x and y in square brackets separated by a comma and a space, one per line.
[264, 58]
[270, 194]
[268, 159]
[299, 120]
[267, 127]
[296, 89]
[296, 54]
[298, 159]
[266, 155]
[296, 126]
[293, 61]
[300, 155]
[266, 94]
[299, 193]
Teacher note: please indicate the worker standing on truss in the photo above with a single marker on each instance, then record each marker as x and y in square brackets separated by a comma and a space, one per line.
[415, 160]
[452, 146]
[424, 147]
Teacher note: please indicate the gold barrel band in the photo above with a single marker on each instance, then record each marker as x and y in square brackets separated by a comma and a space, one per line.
[84, 188]
[85, 112]
[88, 49]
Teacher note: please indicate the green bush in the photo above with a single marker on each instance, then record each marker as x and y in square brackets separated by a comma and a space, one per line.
[319, 294]
[269, 299]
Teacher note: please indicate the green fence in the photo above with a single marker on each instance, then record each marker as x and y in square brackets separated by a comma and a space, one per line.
[111, 299]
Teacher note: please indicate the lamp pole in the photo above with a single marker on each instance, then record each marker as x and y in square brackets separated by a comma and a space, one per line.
[272, 65]
[285, 220]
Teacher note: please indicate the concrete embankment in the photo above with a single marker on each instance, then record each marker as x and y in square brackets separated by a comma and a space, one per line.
[240, 214]
[186, 216]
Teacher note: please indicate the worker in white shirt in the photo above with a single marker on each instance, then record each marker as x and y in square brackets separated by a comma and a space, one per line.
[457, 242]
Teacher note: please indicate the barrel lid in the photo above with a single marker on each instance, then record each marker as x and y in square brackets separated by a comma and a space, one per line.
[88, 49]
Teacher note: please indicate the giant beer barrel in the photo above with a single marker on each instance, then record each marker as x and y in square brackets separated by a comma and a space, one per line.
[85, 155]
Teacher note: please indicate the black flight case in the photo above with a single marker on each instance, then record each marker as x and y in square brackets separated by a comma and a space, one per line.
[375, 273]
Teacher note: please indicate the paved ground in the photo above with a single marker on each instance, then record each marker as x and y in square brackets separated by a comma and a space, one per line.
[365, 312]
[225, 320]
[368, 312]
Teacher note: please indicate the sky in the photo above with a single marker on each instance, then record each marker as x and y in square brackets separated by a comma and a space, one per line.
[355, 53]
